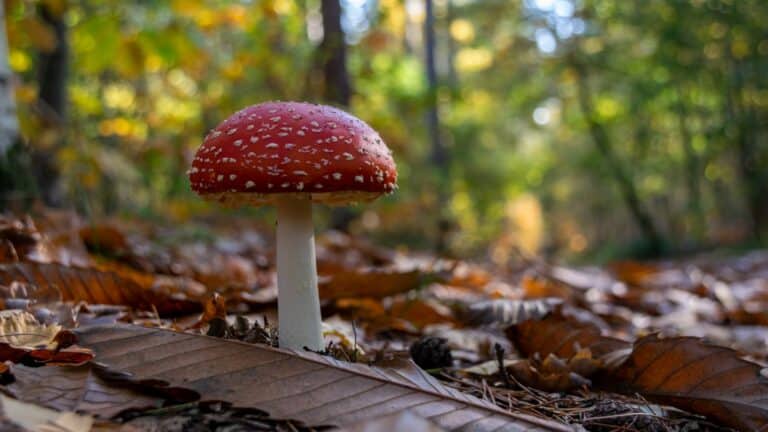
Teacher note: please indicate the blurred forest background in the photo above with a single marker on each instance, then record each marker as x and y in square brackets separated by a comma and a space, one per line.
[581, 128]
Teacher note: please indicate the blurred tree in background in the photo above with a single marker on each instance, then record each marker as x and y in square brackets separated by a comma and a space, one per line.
[572, 126]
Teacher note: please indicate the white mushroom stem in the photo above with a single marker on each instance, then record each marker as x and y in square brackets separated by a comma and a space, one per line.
[298, 303]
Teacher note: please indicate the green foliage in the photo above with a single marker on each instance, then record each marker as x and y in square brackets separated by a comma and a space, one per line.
[680, 89]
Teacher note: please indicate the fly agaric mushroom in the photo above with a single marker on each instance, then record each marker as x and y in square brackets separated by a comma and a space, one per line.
[291, 154]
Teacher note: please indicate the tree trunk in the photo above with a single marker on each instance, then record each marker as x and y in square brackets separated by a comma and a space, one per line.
[438, 153]
[692, 168]
[9, 124]
[333, 56]
[52, 102]
[753, 177]
[336, 88]
[627, 188]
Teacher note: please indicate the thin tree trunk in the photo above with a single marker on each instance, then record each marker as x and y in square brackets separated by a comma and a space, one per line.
[336, 87]
[627, 188]
[753, 177]
[9, 124]
[438, 154]
[52, 101]
[692, 167]
[333, 56]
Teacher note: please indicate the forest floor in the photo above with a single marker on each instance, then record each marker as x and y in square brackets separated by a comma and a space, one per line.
[129, 326]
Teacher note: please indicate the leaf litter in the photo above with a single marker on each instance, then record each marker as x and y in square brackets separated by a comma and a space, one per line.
[669, 345]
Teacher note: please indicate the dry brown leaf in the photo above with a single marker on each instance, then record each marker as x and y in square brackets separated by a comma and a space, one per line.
[539, 287]
[692, 375]
[214, 307]
[404, 421]
[39, 419]
[90, 389]
[562, 336]
[633, 272]
[97, 287]
[420, 312]
[20, 329]
[305, 386]
[552, 374]
[378, 283]
[24, 340]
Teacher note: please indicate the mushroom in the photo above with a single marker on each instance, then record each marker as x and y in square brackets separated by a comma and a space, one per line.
[290, 155]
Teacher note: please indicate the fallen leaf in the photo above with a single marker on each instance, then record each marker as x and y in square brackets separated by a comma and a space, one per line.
[90, 389]
[505, 312]
[39, 419]
[214, 307]
[404, 421]
[20, 329]
[305, 386]
[95, 286]
[552, 374]
[539, 287]
[562, 336]
[374, 282]
[698, 377]
[28, 342]
[420, 312]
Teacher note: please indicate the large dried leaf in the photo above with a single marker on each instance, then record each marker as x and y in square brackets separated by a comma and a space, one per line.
[562, 336]
[94, 286]
[305, 386]
[705, 379]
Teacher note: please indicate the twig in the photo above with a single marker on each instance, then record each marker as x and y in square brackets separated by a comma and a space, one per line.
[500, 359]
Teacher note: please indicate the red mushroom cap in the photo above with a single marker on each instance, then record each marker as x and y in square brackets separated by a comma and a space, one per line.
[313, 151]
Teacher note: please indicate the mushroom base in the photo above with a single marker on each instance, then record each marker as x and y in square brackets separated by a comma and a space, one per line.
[236, 199]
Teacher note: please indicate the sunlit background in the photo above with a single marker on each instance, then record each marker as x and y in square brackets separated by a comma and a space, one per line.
[580, 128]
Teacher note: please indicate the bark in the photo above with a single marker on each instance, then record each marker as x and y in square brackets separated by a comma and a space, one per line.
[52, 69]
[692, 167]
[438, 153]
[336, 88]
[52, 101]
[333, 56]
[753, 177]
[9, 124]
[627, 187]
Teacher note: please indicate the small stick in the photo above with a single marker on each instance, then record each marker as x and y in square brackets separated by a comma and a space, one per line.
[500, 359]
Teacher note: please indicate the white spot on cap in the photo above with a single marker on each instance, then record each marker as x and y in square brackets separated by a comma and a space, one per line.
[220, 177]
[271, 145]
[216, 134]
[231, 131]
[300, 173]
[348, 156]
[290, 146]
[300, 133]
[318, 186]
[360, 179]
[285, 185]
[275, 119]
[314, 123]
[232, 176]
[336, 176]
[254, 139]
[250, 127]
[193, 170]
[300, 186]
[238, 143]
[249, 184]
